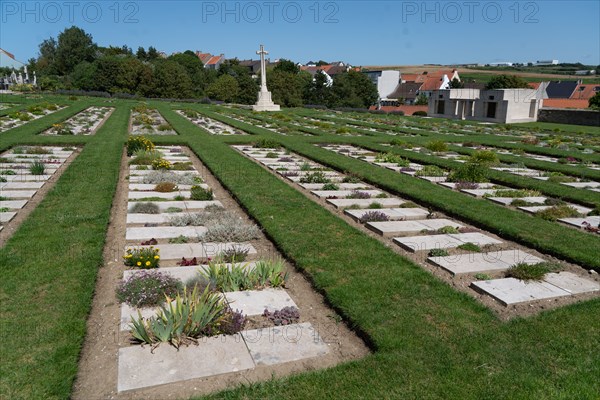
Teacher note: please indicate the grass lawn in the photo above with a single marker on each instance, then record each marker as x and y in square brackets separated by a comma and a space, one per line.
[429, 341]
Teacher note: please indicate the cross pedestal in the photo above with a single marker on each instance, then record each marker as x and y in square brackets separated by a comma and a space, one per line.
[264, 102]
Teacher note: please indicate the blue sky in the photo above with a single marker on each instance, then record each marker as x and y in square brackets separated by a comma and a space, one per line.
[358, 32]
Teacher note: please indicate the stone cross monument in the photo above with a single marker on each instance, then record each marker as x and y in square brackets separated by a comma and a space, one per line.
[264, 102]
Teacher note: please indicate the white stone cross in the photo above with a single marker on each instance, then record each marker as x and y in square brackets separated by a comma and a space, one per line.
[263, 68]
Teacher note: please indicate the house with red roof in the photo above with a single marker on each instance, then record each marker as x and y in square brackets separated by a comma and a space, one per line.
[210, 61]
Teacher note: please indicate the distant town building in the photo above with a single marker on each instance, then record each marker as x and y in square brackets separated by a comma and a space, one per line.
[496, 106]
[546, 62]
[210, 61]
[385, 81]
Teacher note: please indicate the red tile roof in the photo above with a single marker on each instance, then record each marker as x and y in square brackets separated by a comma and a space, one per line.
[565, 103]
[432, 83]
[213, 60]
[585, 91]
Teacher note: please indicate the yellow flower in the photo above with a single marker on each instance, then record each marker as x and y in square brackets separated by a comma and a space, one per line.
[139, 264]
[148, 263]
[156, 257]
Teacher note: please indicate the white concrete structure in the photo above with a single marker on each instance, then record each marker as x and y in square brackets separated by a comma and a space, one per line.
[386, 81]
[497, 106]
[264, 102]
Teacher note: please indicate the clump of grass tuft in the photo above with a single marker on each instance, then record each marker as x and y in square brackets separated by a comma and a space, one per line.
[531, 272]
[560, 211]
[470, 247]
[145, 208]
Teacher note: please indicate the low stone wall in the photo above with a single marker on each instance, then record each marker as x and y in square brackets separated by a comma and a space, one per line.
[572, 117]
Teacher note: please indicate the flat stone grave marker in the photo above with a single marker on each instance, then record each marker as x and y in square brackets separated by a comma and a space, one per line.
[13, 204]
[391, 228]
[452, 185]
[534, 209]
[508, 200]
[213, 249]
[184, 205]
[6, 216]
[152, 218]
[475, 237]
[428, 242]
[343, 186]
[150, 186]
[479, 192]
[509, 291]
[434, 179]
[572, 283]
[20, 185]
[163, 232]
[26, 178]
[365, 203]
[483, 262]
[254, 302]
[161, 195]
[394, 214]
[18, 194]
[582, 185]
[592, 220]
[343, 193]
[141, 367]
[280, 344]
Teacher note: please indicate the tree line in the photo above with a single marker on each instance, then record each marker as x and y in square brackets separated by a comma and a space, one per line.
[73, 61]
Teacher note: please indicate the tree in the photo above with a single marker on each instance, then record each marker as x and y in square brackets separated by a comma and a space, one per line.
[225, 88]
[46, 62]
[287, 66]
[152, 54]
[141, 54]
[456, 84]
[74, 46]
[507, 82]
[594, 102]
[171, 80]
[318, 93]
[353, 89]
[248, 89]
[421, 100]
[84, 76]
[286, 87]
[194, 68]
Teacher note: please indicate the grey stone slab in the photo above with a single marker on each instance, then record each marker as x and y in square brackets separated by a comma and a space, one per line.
[434, 179]
[26, 178]
[365, 203]
[592, 220]
[411, 213]
[18, 194]
[254, 302]
[347, 186]
[392, 228]
[13, 204]
[572, 283]
[151, 186]
[186, 205]
[476, 238]
[583, 185]
[186, 273]
[166, 196]
[508, 200]
[479, 192]
[343, 193]
[280, 344]
[513, 257]
[438, 223]
[6, 216]
[128, 313]
[140, 367]
[177, 251]
[152, 218]
[470, 263]
[428, 242]
[20, 185]
[214, 249]
[163, 232]
[534, 209]
[510, 291]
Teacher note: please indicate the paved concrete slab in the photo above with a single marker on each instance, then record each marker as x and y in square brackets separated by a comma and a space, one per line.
[583, 185]
[140, 367]
[365, 203]
[164, 232]
[280, 344]
[151, 186]
[26, 178]
[394, 214]
[510, 291]
[428, 242]
[479, 192]
[177, 251]
[343, 186]
[452, 185]
[572, 283]
[534, 209]
[185, 273]
[470, 263]
[152, 218]
[512, 257]
[254, 302]
[438, 223]
[214, 249]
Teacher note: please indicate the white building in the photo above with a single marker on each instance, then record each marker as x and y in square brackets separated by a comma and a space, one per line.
[497, 106]
[546, 62]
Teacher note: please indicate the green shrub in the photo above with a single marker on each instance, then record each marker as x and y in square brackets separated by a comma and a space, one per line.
[37, 168]
[448, 230]
[392, 158]
[165, 187]
[330, 186]
[528, 272]
[470, 247]
[267, 144]
[145, 208]
[469, 172]
[135, 143]
[430, 170]
[145, 157]
[241, 277]
[436, 146]
[438, 253]
[484, 157]
[200, 194]
[315, 177]
[560, 211]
